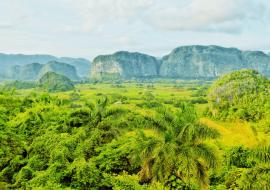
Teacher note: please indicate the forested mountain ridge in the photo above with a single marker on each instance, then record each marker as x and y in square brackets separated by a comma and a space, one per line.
[33, 71]
[186, 62]
[11, 60]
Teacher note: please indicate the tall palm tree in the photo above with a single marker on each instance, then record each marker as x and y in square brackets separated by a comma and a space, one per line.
[177, 147]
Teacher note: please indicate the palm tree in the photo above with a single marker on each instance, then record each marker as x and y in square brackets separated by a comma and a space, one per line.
[176, 147]
[98, 114]
[100, 120]
[102, 111]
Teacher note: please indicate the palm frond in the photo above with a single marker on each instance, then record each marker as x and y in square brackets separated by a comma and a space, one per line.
[90, 105]
[201, 174]
[262, 153]
[184, 134]
[206, 153]
[165, 113]
[204, 132]
[104, 102]
[114, 111]
[157, 122]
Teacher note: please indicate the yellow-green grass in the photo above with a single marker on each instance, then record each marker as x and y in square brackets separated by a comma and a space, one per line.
[233, 133]
[133, 91]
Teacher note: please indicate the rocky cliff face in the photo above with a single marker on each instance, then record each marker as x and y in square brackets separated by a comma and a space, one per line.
[200, 62]
[8, 61]
[34, 71]
[186, 62]
[257, 60]
[192, 62]
[125, 65]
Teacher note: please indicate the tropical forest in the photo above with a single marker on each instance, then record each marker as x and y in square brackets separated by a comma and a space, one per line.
[136, 135]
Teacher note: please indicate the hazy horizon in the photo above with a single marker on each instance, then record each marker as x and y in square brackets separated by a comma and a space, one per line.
[87, 28]
[91, 59]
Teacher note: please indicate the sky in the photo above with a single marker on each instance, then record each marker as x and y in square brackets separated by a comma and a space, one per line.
[87, 28]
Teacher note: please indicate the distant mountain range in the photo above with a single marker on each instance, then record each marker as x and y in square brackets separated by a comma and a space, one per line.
[34, 71]
[10, 61]
[186, 62]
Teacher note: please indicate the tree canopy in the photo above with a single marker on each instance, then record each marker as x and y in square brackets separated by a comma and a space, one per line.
[243, 94]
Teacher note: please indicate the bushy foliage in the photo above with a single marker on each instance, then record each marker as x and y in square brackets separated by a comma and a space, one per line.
[70, 141]
[255, 177]
[243, 94]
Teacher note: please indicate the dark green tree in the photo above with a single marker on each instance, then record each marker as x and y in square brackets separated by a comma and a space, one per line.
[177, 147]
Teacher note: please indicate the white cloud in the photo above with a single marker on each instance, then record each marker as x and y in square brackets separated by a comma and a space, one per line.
[91, 27]
[216, 15]
[97, 13]
[228, 16]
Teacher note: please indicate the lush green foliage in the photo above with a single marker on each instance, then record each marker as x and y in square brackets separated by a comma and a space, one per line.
[243, 94]
[104, 136]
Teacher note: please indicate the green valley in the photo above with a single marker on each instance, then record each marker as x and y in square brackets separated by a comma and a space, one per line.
[136, 135]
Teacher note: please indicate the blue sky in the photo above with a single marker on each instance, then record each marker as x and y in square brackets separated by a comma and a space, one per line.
[86, 28]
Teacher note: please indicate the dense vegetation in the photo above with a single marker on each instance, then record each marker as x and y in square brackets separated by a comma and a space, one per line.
[53, 82]
[126, 136]
[244, 95]
[9, 85]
